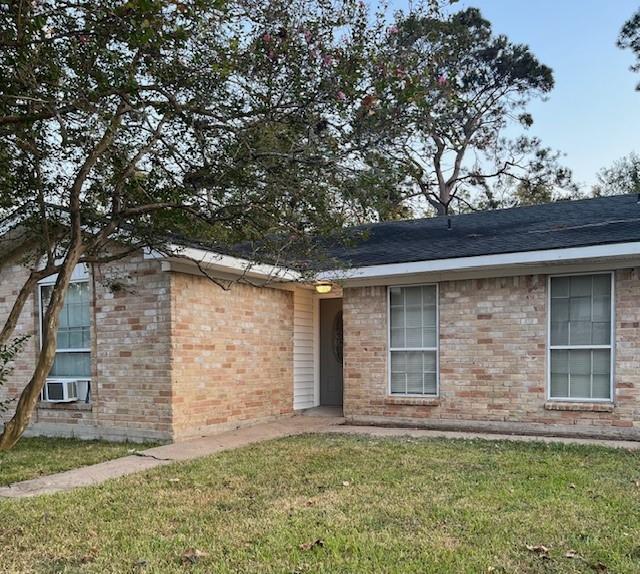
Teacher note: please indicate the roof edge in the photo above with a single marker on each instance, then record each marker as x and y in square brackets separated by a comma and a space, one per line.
[478, 262]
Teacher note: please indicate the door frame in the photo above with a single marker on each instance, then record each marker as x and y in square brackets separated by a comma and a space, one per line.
[334, 294]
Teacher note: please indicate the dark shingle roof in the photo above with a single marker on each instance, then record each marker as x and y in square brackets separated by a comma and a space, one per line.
[550, 226]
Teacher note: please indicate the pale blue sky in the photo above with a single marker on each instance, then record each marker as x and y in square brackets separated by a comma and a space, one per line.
[593, 113]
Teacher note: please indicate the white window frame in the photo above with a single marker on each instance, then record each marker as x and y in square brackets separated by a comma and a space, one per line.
[611, 346]
[391, 349]
[80, 275]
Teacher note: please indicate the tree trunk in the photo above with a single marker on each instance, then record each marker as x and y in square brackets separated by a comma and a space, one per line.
[18, 305]
[14, 429]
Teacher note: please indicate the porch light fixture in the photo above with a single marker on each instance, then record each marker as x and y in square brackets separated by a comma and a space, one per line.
[323, 287]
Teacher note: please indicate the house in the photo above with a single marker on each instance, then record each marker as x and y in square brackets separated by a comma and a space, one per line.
[523, 320]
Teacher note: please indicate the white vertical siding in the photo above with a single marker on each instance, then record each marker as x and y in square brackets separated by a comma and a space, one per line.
[303, 349]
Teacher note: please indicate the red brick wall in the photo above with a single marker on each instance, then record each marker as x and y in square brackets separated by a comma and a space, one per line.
[232, 354]
[492, 360]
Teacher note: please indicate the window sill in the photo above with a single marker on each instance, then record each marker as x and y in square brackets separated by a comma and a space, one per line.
[587, 407]
[75, 406]
[413, 401]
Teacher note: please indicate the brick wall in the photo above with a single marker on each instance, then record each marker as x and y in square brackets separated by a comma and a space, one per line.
[131, 384]
[11, 280]
[233, 354]
[492, 361]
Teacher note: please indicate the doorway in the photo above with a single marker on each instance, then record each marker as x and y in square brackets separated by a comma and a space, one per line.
[331, 352]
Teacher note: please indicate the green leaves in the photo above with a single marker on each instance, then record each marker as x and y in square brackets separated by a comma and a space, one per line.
[629, 39]
[7, 355]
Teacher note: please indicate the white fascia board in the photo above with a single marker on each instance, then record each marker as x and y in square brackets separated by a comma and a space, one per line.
[547, 256]
[212, 261]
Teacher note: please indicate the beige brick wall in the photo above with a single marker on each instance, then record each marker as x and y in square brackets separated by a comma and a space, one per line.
[173, 355]
[492, 360]
[131, 384]
[11, 280]
[233, 354]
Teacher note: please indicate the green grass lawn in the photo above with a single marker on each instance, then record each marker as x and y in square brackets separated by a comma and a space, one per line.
[341, 504]
[33, 457]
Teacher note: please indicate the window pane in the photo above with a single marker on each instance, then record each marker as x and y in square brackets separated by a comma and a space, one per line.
[559, 385]
[580, 387]
[586, 312]
[429, 361]
[77, 338]
[77, 314]
[580, 333]
[414, 362]
[559, 374]
[559, 333]
[73, 331]
[602, 309]
[601, 334]
[414, 383]
[413, 296]
[45, 294]
[413, 372]
[398, 362]
[413, 338]
[581, 286]
[397, 317]
[560, 362]
[71, 365]
[580, 309]
[397, 338]
[398, 383]
[601, 387]
[559, 309]
[429, 295]
[581, 373]
[397, 297]
[429, 337]
[601, 361]
[602, 286]
[560, 287]
[413, 325]
[579, 362]
[429, 315]
[413, 316]
[430, 384]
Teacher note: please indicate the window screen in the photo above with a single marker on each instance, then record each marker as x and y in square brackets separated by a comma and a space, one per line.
[413, 335]
[73, 352]
[580, 337]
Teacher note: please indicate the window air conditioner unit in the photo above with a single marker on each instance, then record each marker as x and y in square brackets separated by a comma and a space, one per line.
[58, 391]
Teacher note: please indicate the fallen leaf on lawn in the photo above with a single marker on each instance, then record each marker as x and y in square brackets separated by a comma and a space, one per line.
[174, 480]
[309, 502]
[539, 549]
[572, 486]
[637, 483]
[310, 545]
[572, 554]
[346, 483]
[192, 555]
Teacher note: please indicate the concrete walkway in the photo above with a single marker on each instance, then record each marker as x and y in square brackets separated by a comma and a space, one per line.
[166, 454]
[315, 422]
[424, 433]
